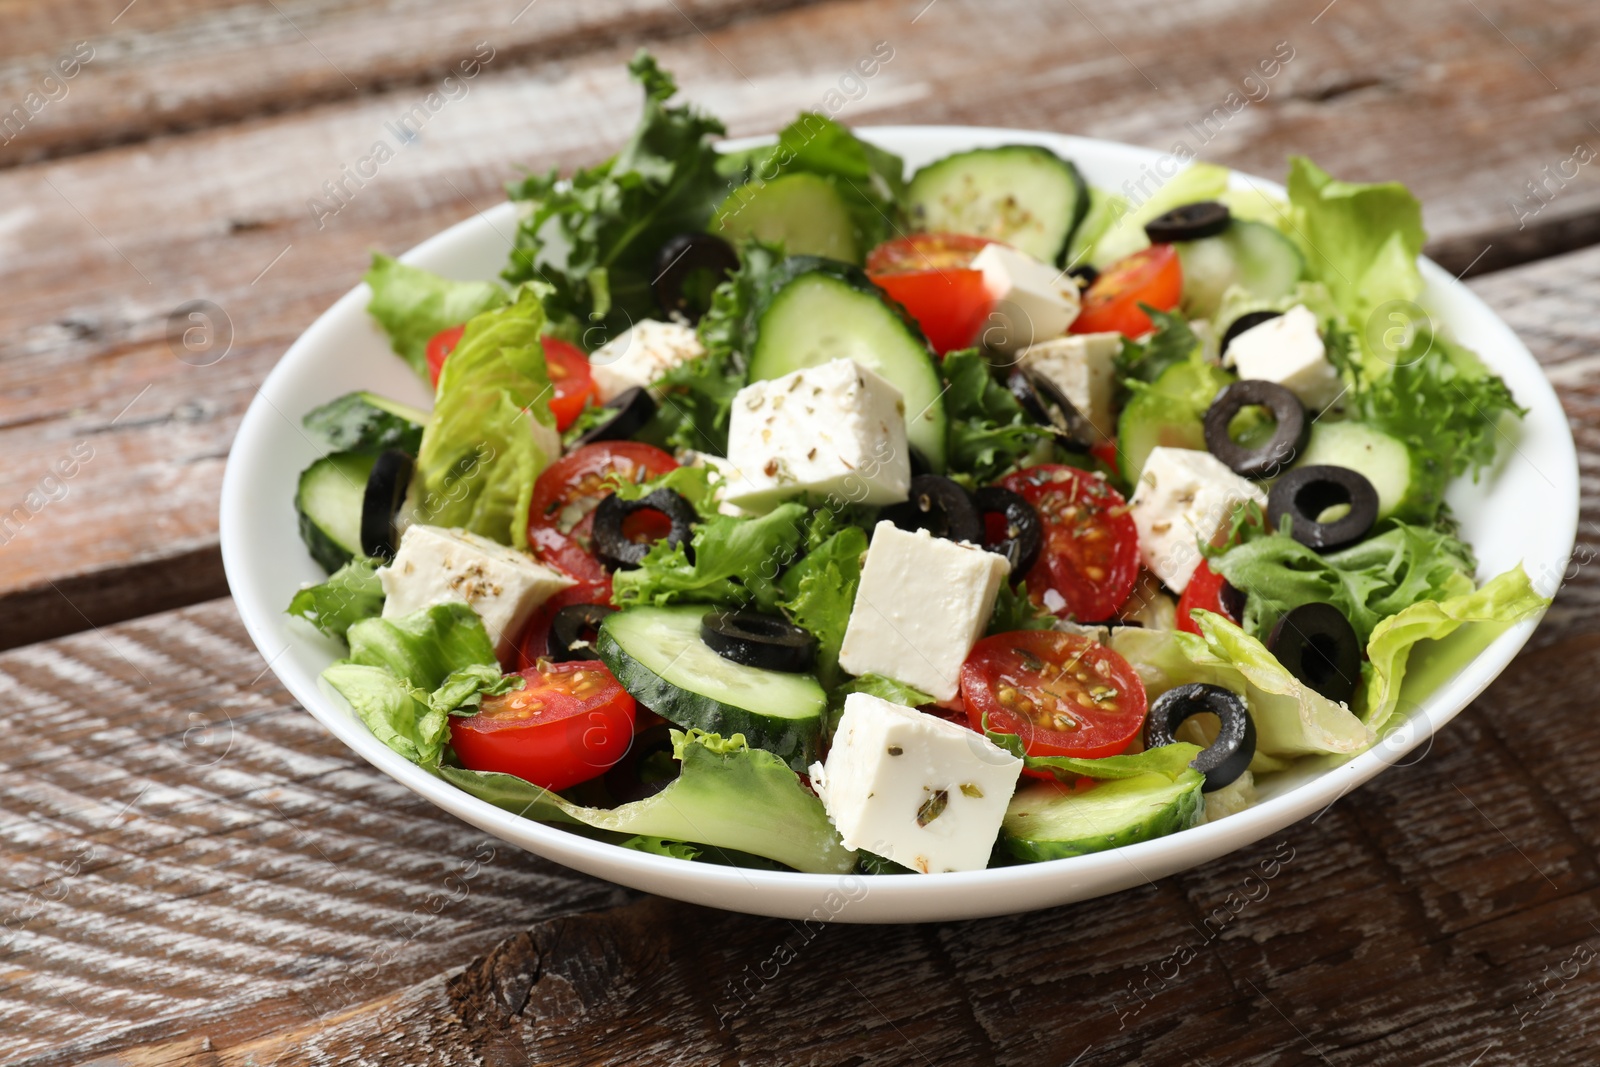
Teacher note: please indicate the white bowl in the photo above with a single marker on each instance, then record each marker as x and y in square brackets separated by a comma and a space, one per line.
[1524, 510]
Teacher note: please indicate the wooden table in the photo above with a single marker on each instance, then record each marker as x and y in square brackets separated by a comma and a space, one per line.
[193, 872]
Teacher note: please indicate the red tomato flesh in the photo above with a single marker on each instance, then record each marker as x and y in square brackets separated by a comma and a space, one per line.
[561, 517]
[1204, 590]
[439, 348]
[1150, 276]
[1061, 694]
[931, 275]
[1091, 546]
[567, 724]
[571, 382]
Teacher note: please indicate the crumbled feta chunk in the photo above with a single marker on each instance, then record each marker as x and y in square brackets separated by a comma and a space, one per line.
[1033, 302]
[1184, 497]
[923, 792]
[435, 565]
[1082, 367]
[921, 605]
[1288, 350]
[640, 355]
[836, 430]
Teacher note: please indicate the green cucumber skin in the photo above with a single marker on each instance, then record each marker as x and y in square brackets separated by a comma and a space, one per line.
[922, 197]
[802, 211]
[1255, 256]
[797, 745]
[1370, 452]
[324, 548]
[1184, 812]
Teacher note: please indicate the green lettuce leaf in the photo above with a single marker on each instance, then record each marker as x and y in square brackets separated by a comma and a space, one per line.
[350, 594]
[727, 796]
[1291, 719]
[463, 689]
[412, 305]
[491, 431]
[1015, 610]
[1172, 343]
[1504, 599]
[819, 591]
[594, 238]
[699, 485]
[1169, 761]
[1369, 581]
[394, 712]
[988, 433]
[424, 648]
[734, 561]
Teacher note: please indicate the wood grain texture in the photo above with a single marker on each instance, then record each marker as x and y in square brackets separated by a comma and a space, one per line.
[193, 873]
[101, 253]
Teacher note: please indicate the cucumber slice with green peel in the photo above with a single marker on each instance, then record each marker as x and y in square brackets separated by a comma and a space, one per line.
[803, 212]
[329, 502]
[1249, 254]
[821, 311]
[658, 656]
[1052, 821]
[1024, 195]
[1384, 460]
[367, 422]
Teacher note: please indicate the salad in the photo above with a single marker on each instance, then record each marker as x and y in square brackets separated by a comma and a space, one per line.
[780, 508]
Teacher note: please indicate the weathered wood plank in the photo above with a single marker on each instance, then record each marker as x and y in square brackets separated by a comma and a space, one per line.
[194, 873]
[98, 252]
[99, 72]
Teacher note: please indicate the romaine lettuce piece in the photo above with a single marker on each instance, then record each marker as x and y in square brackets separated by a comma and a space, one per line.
[424, 648]
[412, 305]
[350, 594]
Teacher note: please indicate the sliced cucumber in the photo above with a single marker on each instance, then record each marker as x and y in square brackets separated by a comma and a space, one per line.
[1384, 460]
[367, 422]
[803, 212]
[821, 311]
[1168, 413]
[1051, 821]
[658, 656]
[1024, 195]
[329, 501]
[1253, 255]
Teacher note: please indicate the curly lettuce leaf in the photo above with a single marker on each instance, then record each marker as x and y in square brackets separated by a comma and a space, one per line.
[1169, 761]
[1291, 719]
[1505, 599]
[1369, 581]
[350, 594]
[730, 561]
[819, 591]
[727, 796]
[491, 431]
[1172, 343]
[989, 434]
[1015, 610]
[594, 238]
[699, 485]
[412, 305]
[424, 648]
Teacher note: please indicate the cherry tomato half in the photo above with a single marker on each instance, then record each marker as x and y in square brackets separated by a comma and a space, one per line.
[1208, 590]
[1062, 694]
[1091, 547]
[567, 724]
[534, 644]
[931, 275]
[1150, 276]
[439, 348]
[571, 383]
[561, 517]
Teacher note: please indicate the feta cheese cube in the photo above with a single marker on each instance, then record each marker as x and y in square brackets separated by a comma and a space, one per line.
[1184, 497]
[1033, 302]
[834, 430]
[922, 604]
[640, 355]
[925, 793]
[436, 566]
[1083, 368]
[1288, 350]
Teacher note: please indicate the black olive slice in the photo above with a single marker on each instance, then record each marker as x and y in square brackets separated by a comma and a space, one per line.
[380, 503]
[1243, 323]
[1317, 644]
[1231, 599]
[615, 548]
[573, 629]
[1274, 454]
[939, 506]
[1085, 274]
[1188, 222]
[634, 408]
[1230, 754]
[1044, 403]
[756, 639]
[1306, 492]
[919, 462]
[1024, 533]
[688, 267]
